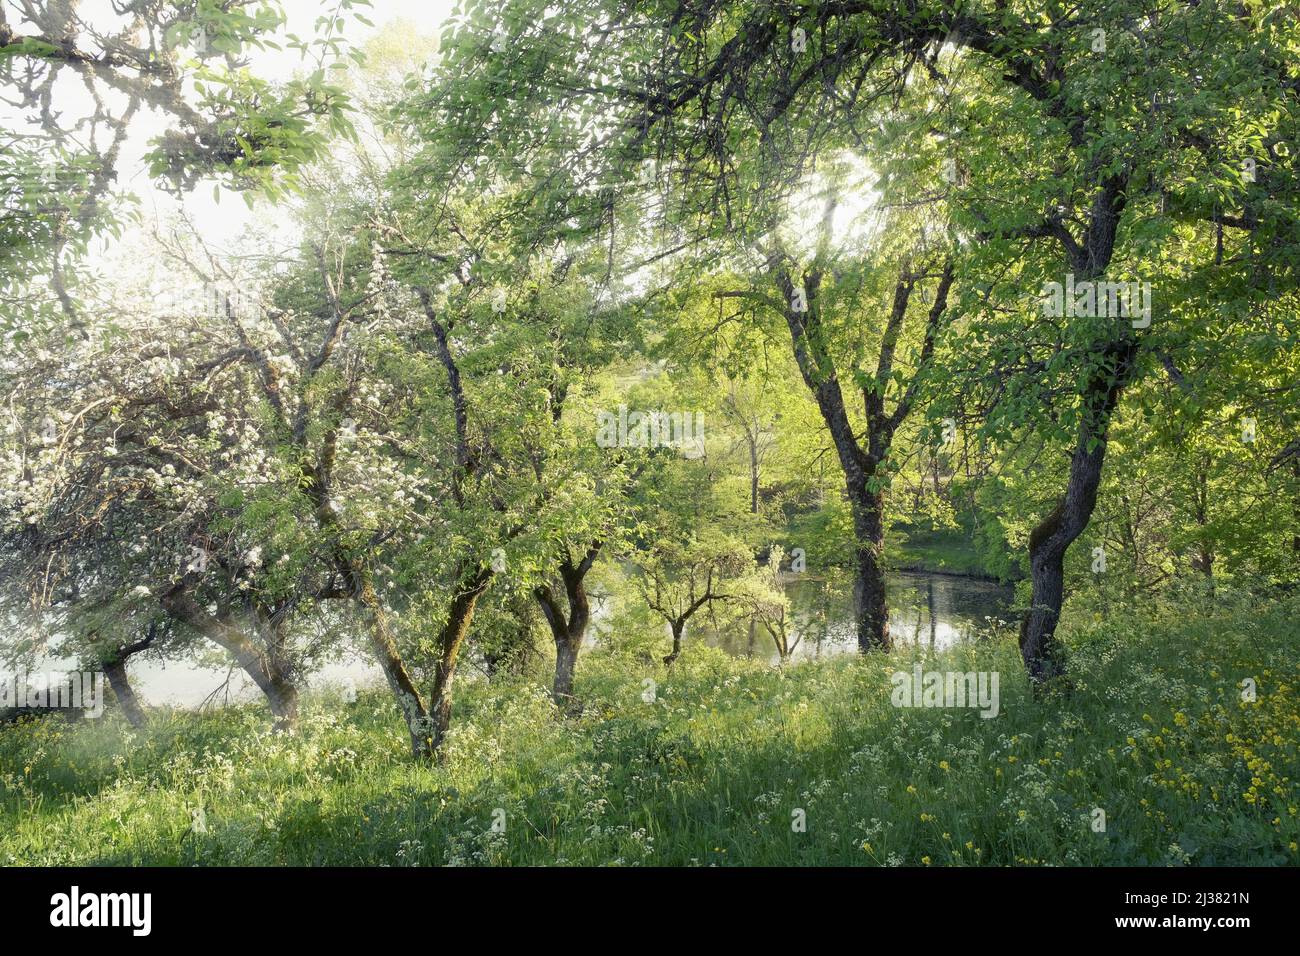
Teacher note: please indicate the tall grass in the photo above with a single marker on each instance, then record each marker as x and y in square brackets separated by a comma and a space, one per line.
[1155, 733]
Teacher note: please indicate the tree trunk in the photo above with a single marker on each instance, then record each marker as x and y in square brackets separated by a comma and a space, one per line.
[453, 634]
[568, 631]
[1295, 506]
[283, 699]
[1052, 538]
[390, 661]
[870, 610]
[1203, 560]
[269, 674]
[115, 671]
[929, 606]
[566, 659]
[678, 627]
[862, 467]
[781, 640]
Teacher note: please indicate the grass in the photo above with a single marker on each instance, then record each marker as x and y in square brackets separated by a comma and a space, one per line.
[1155, 733]
[945, 551]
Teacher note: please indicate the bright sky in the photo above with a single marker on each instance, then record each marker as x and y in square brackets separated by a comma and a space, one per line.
[222, 221]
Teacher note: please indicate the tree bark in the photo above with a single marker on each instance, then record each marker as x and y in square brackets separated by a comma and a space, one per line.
[283, 699]
[450, 638]
[384, 647]
[870, 610]
[678, 626]
[115, 671]
[1295, 506]
[568, 630]
[566, 660]
[1053, 536]
[269, 674]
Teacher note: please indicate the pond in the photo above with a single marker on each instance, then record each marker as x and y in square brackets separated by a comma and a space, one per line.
[934, 610]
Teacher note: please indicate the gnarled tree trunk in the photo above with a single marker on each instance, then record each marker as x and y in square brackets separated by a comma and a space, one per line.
[568, 630]
[115, 671]
[459, 617]
[1054, 534]
[270, 673]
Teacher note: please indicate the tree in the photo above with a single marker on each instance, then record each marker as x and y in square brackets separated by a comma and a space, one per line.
[763, 599]
[1109, 149]
[679, 577]
[220, 475]
[185, 61]
[748, 406]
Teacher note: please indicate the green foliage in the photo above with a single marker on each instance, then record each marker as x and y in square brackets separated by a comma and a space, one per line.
[1156, 734]
[561, 212]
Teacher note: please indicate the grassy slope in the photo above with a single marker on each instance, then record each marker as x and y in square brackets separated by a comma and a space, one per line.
[1156, 734]
[947, 552]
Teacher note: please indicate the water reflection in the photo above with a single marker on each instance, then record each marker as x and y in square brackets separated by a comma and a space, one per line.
[934, 610]
[928, 609]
